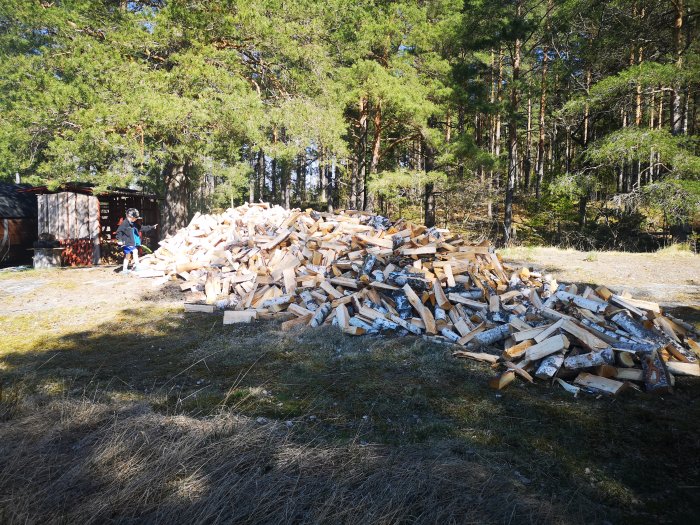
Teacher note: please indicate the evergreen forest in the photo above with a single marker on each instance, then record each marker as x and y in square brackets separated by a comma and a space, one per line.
[565, 122]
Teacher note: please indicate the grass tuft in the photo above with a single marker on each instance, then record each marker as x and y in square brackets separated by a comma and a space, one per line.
[677, 249]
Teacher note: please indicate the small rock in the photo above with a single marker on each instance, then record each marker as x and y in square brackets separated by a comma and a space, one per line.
[261, 420]
[289, 424]
[312, 418]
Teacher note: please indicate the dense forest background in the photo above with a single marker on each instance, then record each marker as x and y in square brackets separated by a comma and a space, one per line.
[570, 122]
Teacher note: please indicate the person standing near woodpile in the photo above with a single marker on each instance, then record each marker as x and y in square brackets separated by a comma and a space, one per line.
[129, 237]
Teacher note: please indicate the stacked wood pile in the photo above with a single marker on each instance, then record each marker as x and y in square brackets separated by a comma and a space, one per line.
[366, 275]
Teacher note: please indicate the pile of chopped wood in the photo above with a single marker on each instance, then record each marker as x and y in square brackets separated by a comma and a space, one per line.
[366, 275]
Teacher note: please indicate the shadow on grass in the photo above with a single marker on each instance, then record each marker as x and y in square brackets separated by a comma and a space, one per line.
[92, 463]
[381, 409]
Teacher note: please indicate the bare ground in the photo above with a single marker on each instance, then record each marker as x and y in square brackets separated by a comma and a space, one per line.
[115, 406]
[670, 278]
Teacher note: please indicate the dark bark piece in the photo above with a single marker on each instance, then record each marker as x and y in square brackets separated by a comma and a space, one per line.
[625, 321]
[656, 377]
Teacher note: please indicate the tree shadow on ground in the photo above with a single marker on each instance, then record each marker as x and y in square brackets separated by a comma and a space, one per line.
[385, 410]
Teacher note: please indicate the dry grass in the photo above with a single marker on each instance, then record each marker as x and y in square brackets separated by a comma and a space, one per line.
[84, 462]
[130, 411]
[676, 250]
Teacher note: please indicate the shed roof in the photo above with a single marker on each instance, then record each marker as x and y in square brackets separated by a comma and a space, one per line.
[88, 189]
[15, 203]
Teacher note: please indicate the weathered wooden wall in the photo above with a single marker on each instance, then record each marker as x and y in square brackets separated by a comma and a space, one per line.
[69, 215]
[72, 218]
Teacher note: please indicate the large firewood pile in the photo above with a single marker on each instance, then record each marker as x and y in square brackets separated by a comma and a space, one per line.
[367, 275]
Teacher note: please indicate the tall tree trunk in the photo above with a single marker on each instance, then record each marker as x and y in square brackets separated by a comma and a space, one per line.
[331, 184]
[587, 111]
[251, 180]
[586, 193]
[638, 116]
[567, 150]
[686, 111]
[429, 204]
[261, 175]
[676, 106]
[301, 178]
[429, 190]
[527, 162]
[652, 155]
[273, 171]
[496, 152]
[460, 130]
[285, 169]
[512, 142]
[286, 185]
[479, 132]
[362, 156]
[322, 197]
[352, 198]
[376, 153]
[625, 167]
[540, 143]
[175, 205]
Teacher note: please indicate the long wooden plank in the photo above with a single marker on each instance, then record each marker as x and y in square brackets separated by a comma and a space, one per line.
[477, 356]
[296, 322]
[683, 369]
[382, 242]
[423, 250]
[345, 282]
[290, 281]
[425, 315]
[447, 268]
[440, 297]
[456, 298]
[277, 240]
[600, 384]
[549, 331]
[199, 308]
[471, 335]
[239, 316]
[585, 336]
[554, 344]
[327, 287]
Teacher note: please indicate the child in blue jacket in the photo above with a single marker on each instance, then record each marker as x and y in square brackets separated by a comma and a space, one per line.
[129, 237]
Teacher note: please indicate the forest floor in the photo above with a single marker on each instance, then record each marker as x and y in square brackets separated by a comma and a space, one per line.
[116, 406]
